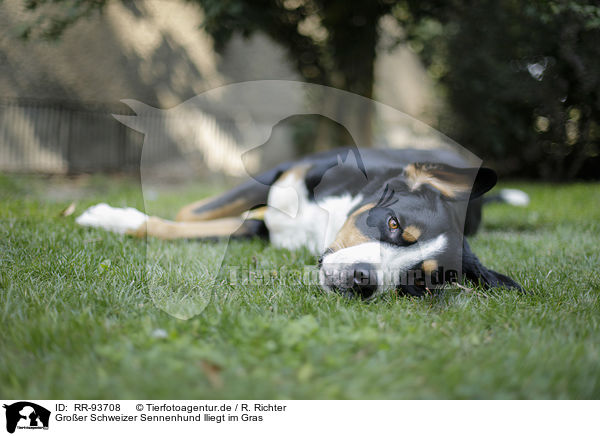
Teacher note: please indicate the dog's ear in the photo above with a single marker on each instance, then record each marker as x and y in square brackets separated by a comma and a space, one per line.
[485, 180]
[474, 271]
[452, 182]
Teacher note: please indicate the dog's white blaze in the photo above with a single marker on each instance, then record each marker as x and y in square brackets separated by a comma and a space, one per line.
[388, 260]
[115, 219]
[294, 221]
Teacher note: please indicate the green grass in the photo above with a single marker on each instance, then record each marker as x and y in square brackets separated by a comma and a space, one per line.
[79, 319]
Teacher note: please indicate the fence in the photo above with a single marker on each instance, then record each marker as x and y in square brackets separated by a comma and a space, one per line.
[68, 137]
[65, 137]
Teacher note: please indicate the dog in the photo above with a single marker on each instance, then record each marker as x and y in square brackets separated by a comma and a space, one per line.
[377, 219]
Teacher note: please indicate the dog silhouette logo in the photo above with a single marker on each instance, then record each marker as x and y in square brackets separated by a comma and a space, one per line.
[241, 130]
[26, 415]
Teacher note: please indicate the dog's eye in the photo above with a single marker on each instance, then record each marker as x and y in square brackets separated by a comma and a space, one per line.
[393, 223]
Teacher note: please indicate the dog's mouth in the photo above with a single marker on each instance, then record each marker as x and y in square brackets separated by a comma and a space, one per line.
[356, 280]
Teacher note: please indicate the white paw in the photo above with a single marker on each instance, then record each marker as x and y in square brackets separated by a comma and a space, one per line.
[115, 219]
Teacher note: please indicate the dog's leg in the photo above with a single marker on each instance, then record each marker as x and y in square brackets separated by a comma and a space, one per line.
[479, 274]
[214, 208]
[133, 222]
[218, 228]
[247, 196]
[219, 216]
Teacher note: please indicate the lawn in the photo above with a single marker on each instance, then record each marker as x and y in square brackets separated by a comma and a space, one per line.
[80, 321]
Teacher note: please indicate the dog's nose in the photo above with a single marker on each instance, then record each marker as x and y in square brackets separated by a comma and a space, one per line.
[364, 280]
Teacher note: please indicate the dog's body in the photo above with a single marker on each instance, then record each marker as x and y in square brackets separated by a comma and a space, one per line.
[372, 215]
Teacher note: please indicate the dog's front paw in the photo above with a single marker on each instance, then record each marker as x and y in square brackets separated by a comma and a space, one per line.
[115, 219]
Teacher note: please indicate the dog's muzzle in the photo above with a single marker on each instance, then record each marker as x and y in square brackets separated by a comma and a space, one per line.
[359, 279]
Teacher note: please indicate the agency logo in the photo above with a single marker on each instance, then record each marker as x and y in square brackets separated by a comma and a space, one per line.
[26, 415]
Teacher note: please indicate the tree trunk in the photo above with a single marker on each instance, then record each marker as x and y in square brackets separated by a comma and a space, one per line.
[354, 33]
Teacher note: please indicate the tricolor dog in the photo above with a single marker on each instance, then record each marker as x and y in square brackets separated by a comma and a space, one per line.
[377, 219]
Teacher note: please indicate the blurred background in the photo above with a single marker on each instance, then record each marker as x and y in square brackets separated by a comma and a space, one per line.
[515, 82]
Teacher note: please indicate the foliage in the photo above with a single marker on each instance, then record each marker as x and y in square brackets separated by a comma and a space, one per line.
[52, 17]
[521, 80]
[520, 77]
[331, 42]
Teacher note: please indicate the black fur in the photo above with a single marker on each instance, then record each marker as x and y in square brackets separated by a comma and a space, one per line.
[474, 271]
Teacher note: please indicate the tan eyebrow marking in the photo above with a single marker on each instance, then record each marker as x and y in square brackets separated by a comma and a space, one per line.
[411, 233]
[349, 235]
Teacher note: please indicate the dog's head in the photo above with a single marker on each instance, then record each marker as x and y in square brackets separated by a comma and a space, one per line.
[407, 233]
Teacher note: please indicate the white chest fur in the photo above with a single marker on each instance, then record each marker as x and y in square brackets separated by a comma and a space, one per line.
[295, 221]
